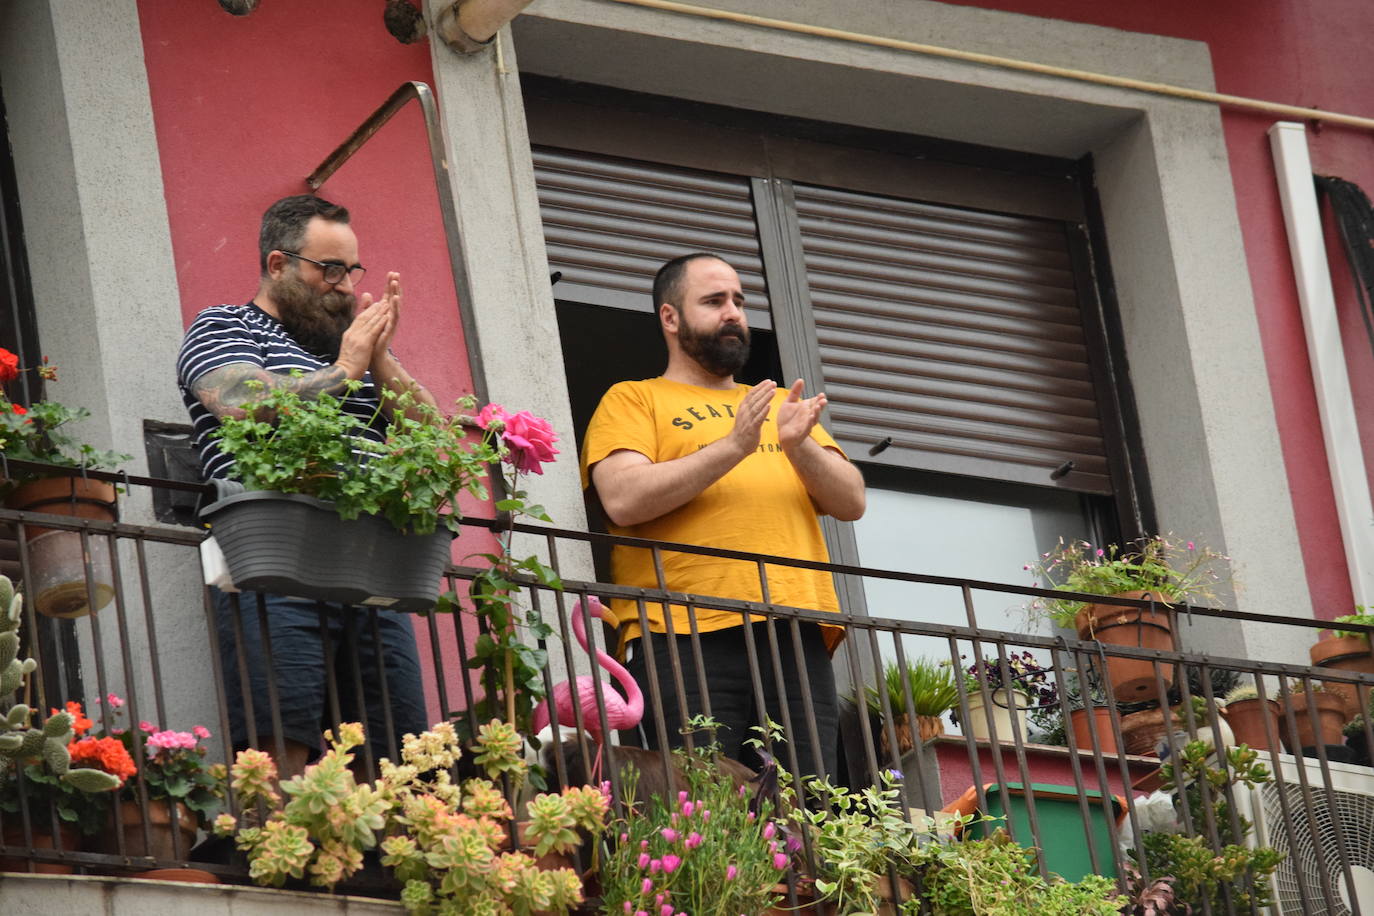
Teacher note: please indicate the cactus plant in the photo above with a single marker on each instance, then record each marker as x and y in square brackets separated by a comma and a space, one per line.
[37, 754]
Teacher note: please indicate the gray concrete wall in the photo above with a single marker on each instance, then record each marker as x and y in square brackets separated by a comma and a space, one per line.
[105, 291]
[57, 895]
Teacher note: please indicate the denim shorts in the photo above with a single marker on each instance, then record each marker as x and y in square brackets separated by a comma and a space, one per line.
[331, 663]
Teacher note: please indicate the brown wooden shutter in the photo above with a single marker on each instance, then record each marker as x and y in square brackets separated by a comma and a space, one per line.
[609, 224]
[956, 333]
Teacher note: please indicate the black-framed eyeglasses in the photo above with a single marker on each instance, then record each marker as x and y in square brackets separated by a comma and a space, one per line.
[334, 271]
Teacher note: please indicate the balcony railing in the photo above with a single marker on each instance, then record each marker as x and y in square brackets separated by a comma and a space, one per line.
[153, 643]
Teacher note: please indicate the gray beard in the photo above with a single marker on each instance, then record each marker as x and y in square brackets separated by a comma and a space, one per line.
[315, 320]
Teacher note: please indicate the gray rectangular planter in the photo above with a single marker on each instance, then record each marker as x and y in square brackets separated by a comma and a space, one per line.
[288, 544]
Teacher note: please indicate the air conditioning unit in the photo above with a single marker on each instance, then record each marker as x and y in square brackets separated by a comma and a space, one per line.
[1326, 828]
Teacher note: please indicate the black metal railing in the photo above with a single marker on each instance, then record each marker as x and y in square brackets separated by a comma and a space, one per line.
[155, 642]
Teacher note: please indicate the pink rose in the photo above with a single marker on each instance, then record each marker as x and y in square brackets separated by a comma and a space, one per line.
[530, 440]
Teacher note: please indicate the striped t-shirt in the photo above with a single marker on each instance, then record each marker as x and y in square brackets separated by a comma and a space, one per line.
[229, 334]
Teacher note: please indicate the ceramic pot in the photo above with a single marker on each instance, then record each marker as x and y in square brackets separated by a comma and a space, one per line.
[162, 839]
[1318, 724]
[1132, 680]
[1247, 717]
[1005, 703]
[1101, 721]
[58, 559]
[42, 839]
[1347, 653]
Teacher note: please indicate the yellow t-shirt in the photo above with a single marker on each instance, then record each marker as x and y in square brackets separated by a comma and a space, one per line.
[759, 506]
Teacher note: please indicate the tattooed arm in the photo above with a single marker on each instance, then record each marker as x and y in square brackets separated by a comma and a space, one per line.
[226, 391]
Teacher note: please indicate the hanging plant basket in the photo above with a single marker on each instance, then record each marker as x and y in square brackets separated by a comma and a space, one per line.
[58, 559]
[289, 544]
[1132, 680]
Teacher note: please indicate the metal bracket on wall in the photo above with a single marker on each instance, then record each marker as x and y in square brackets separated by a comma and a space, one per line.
[453, 235]
[439, 159]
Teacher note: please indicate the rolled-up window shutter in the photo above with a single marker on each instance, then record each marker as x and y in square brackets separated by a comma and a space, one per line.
[955, 333]
[609, 224]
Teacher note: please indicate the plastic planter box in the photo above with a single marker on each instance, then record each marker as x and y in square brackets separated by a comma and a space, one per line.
[288, 544]
[1065, 841]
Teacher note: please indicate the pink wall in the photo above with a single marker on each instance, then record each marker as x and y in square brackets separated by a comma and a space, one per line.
[244, 110]
[1299, 52]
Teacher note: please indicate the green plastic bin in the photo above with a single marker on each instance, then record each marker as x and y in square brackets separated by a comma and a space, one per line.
[1065, 842]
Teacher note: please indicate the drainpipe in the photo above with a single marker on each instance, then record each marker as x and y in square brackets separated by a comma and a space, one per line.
[468, 26]
[1335, 401]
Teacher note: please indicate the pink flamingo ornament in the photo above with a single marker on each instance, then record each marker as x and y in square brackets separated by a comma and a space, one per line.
[620, 712]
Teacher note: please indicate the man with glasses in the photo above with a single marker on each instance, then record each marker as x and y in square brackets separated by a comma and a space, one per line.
[303, 330]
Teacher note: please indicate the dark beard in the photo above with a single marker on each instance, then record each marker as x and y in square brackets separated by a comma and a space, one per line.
[722, 354]
[315, 320]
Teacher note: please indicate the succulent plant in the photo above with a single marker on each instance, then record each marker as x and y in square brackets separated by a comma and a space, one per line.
[19, 740]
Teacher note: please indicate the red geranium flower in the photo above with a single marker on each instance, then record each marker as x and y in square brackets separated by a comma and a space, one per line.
[9, 366]
[108, 754]
[16, 409]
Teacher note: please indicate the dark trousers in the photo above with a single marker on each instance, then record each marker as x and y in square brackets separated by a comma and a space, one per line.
[733, 700]
[320, 656]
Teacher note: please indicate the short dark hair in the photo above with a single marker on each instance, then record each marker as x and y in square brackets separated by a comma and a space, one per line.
[668, 280]
[284, 223]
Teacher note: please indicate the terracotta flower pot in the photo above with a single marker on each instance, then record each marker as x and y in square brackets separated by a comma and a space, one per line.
[42, 839]
[1132, 680]
[1348, 653]
[184, 875]
[1247, 717]
[57, 559]
[159, 843]
[1102, 722]
[1319, 724]
[927, 727]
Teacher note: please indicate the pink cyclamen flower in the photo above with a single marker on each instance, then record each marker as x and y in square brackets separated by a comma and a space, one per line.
[779, 861]
[730, 872]
[201, 732]
[670, 863]
[530, 440]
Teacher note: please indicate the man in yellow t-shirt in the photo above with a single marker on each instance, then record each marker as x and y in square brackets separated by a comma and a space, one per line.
[695, 457]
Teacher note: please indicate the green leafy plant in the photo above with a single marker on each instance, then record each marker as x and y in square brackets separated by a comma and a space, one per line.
[442, 839]
[36, 761]
[995, 875]
[715, 850]
[414, 478]
[857, 837]
[1360, 617]
[507, 652]
[1201, 873]
[933, 691]
[42, 431]
[1170, 569]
